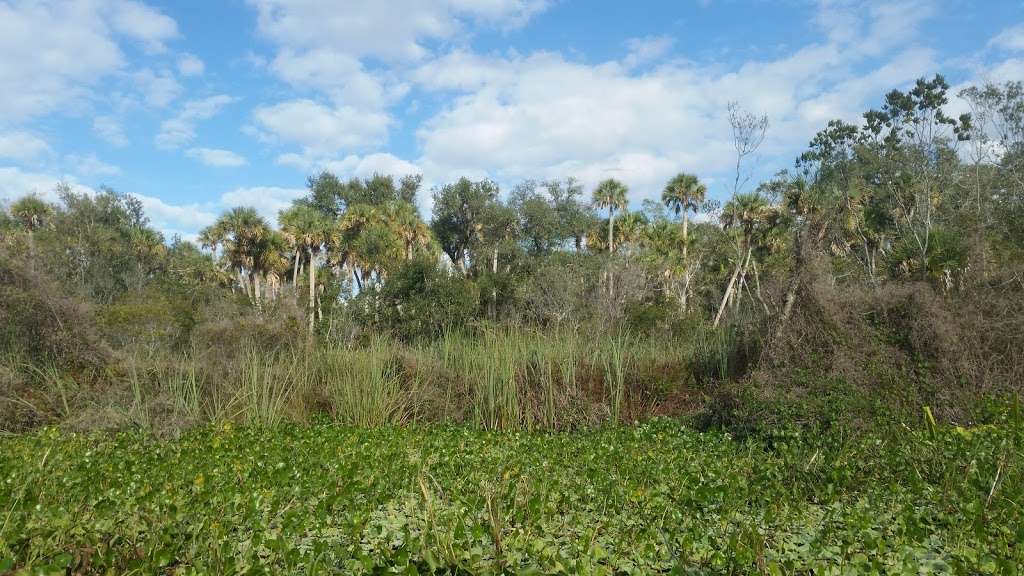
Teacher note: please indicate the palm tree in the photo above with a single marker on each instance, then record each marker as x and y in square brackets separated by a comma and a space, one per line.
[631, 229]
[754, 218]
[32, 214]
[683, 193]
[406, 222]
[243, 233]
[611, 194]
[307, 230]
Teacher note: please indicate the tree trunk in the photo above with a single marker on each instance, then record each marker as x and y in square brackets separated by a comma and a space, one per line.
[729, 289]
[312, 288]
[256, 291]
[494, 289]
[295, 274]
[611, 230]
[243, 281]
[31, 251]
[686, 222]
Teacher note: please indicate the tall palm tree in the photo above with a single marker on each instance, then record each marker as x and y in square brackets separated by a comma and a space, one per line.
[684, 193]
[406, 222]
[242, 233]
[754, 218]
[611, 194]
[631, 229]
[32, 214]
[307, 230]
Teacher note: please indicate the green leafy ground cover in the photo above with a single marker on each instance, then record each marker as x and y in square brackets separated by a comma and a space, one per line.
[655, 498]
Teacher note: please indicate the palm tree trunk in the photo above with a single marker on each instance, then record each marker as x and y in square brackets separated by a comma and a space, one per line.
[494, 289]
[740, 266]
[312, 288]
[686, 222]
[256, 291]
[611, 230]
[31, 251]
[295, 274]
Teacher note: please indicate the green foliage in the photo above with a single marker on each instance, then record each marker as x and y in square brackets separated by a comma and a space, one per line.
[419, 300]
[655, 499]
[458, 212]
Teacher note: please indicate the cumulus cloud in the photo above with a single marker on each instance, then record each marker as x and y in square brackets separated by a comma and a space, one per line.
[142, 23]
[267, 200]
[1011, 39]
[182, 219]
[216, 157]
[322, 51]
[90, 165]
[320, 129]
[181, 129]
[55, 52]
[158, 89]
[15, 183]
[389, 30]
[190, 65]
[110, 129]
[543, 115]
[22, 146]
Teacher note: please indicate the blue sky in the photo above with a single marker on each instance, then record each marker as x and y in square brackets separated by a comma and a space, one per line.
[196, 106]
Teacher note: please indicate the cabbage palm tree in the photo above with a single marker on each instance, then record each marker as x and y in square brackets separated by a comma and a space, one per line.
[611, 194]
[631, 229]
[406, 222]
[684, 193]
[306, 230]
[32, 214]
[753, 218]
[242, 232]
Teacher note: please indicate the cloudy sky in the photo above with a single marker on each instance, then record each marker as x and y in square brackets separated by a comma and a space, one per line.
[196, 106]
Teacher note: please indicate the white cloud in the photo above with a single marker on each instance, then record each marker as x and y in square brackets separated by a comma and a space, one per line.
[55, 52]
[190, 65]
[389, 30]
[183, 219]
[16, 183]
[324, 50]
[542, 115]
[22, 146]
[181, 129]
[1011, 39]
[216, 157]
[320, 129]
[108, 128]
[340, 76]
[642, 50]
[267, 200]
[90, 165]
[158, 88]
[142, 23]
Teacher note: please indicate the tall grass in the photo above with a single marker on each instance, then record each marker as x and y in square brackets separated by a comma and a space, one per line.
[498, 378]
[55, 387]
[265, 385]
[616, 363]
[714, 350]
[367, 387]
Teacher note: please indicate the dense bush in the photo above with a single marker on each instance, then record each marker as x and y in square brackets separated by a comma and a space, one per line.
[418, 300]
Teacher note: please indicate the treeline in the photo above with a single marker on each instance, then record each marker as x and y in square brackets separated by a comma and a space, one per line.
[910, 217]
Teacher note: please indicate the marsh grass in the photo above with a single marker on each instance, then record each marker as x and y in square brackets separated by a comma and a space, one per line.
[265, 385]
[496, 378]
[57, 389]
[368, 386]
